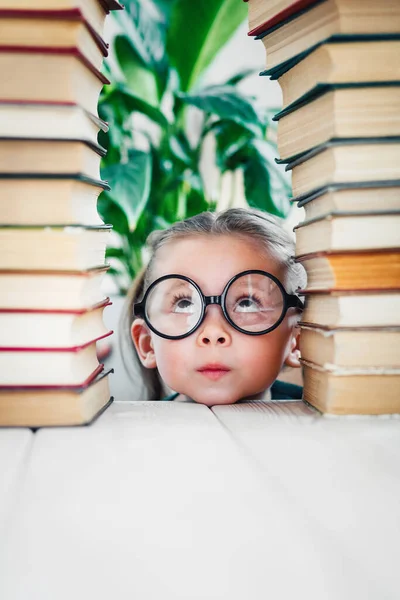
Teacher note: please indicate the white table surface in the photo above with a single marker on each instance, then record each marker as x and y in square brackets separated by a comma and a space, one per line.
[171, 501]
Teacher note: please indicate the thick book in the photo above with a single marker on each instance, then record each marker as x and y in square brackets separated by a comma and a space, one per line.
[352, 271]
[62, 5]
[343, 113]
[264, 15]
[345, 391]
[72, 248]
[46, 157]
[45, 367]
[51, 290]
[65, 77]
[348, 231]
[360, 198]
[290, 40]
[352, 64]
[93, 11]
[362, 347]
[52, 29]
[374, 308]
[44, 199]
[24, 120]
[55, 405]
[346, 162]
[52, 329]
[339, 38]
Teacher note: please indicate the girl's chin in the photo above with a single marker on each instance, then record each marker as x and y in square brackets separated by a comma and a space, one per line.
[214, 400]
[220, 400]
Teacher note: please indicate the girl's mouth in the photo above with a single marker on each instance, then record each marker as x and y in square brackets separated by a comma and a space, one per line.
[214, 371]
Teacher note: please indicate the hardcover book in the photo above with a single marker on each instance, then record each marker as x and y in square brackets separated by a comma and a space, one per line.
[67, 367]
[23, 120]
[265, 15]
[39, 329]
[318, 23]
[50, 157]
[344, 391]
[348, 231]
[361, 197]
[351, 348]
[72, 248]
[44, 199]
[346, 162]
[55, 405]
[374, 308]
[51, 290]
[357, 270]
[52, 29]
[344, 113]
[340, 64]
[65, 78]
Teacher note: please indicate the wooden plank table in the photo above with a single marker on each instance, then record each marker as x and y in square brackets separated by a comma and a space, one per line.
[176, 501]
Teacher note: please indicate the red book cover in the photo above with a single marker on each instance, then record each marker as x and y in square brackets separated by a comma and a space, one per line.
[82, 385]
[98, 374]
[284, 14]
[71, 14]
[65, 51]
[69, 349]
[60, 311]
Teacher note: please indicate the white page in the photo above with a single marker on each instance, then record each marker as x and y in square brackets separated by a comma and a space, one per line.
[344, 472]
[155, 501]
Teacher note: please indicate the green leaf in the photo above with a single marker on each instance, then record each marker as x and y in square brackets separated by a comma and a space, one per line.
[110, 212]
[112, 252]
[265, 188]
[180, 148]
[227, 103]
[130, 184]
[197, 31]
[195, 203]
[111, 112]
[145, 29]
[138, 75]
[123, 97]
[231, 138]
[165, 7]
[235, 79]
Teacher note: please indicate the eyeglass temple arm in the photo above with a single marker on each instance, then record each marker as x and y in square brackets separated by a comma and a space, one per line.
[138, 309]
[295, 301]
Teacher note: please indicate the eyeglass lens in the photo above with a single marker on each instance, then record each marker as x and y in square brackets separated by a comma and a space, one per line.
[173, 306]
[253, 302]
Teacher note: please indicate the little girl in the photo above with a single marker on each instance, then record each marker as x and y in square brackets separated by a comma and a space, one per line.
[213, 315]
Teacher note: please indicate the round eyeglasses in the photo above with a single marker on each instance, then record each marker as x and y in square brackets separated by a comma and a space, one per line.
[253, 302]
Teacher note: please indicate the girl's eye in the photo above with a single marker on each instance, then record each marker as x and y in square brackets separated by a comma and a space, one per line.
[182, 305]
[248, 304]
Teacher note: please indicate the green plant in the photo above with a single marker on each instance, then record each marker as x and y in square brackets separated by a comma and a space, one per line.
[153, 157]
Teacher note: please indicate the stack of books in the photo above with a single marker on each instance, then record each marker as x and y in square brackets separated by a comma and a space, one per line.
[52, 240]
[337, 62]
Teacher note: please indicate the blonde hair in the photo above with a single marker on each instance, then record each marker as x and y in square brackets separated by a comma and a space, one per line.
[260, 227]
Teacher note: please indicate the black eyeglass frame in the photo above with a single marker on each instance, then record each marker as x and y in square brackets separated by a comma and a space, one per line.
[289, 301]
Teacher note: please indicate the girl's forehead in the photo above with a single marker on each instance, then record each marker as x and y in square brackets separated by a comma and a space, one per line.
[211, 260]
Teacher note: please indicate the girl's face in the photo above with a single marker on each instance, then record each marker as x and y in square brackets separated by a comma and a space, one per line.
[217, 364]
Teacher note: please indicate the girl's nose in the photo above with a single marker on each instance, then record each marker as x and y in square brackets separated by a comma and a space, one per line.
[214, 331]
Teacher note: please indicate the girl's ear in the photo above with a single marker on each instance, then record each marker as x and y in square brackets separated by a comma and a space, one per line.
[143, 343]
[292, 359]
